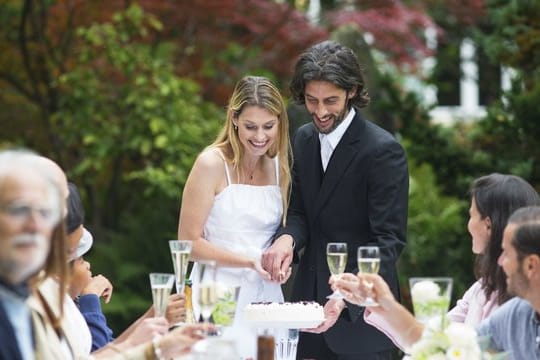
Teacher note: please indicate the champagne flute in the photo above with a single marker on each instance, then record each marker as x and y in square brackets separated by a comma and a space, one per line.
[336, 256]
[180, 251]
[369, 261]
[207, 288]
[161, 285]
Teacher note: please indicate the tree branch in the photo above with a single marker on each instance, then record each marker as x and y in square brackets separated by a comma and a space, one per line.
[17, 84]
[35, 97]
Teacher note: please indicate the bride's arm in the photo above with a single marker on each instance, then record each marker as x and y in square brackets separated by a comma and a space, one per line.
[207, 178]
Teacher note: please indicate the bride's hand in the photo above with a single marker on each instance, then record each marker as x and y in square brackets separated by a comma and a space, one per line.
[256, 265]
[283, 277]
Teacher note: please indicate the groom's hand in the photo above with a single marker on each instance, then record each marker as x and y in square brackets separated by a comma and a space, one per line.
[278, 258]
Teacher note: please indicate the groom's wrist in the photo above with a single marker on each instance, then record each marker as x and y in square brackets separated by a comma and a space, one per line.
[288, 238]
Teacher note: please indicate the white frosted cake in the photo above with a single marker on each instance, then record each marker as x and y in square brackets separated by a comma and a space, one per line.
[301, 314]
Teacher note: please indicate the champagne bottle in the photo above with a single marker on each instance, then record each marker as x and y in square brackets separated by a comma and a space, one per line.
[265, 347]
[190, 317]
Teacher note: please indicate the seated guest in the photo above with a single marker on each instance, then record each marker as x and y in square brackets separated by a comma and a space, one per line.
[86, 289]
[512, 328]
[32, 239]
[29, 211]
[493, 199]
[83, 288]
[45, 300]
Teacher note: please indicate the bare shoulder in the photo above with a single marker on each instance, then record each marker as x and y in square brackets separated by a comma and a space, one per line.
[209, 162]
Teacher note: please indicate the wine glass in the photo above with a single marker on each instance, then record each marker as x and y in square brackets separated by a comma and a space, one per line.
[161, 285]
[180, 251]
[369, 260]
[336, 256]
[286, 344]
[207, 288]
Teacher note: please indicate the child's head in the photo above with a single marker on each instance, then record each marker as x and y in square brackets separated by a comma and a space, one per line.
[80, 241]
[80, 274]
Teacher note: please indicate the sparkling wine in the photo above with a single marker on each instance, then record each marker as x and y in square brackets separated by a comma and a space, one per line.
[160, 296]
[336, 262]
[180, 262]
[369, 266]
[207, 299]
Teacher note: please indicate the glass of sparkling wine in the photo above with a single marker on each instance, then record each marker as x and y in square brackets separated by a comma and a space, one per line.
[336, 256]
[161, 285]
[180, 251]
[207, 288]
[369, 261]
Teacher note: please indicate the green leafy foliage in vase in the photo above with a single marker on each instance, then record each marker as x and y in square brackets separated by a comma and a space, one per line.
[225, 308]
[428, 309]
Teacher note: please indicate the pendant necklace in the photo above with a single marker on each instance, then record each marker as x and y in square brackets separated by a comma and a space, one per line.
[249, 175]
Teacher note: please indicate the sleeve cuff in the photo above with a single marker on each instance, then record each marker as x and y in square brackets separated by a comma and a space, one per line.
[383, 326]
[89, 303]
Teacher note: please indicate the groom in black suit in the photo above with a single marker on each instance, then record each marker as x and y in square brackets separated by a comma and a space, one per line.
[350, 184]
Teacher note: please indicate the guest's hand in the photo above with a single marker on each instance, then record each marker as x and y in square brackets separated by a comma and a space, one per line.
[257, 266]
[278, 257]
[99, 285]
[357, 288]
[349, 286]
[179, 341]
[380, 291]
[332, 309]
[147, 329]
[176, 309]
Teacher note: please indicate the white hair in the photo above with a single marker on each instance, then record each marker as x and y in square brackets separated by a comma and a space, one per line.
[13, 160]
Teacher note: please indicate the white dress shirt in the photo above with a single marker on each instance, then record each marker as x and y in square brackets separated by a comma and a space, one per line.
[331, 140]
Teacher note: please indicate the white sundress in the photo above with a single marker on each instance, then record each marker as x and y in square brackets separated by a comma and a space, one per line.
[243, 219]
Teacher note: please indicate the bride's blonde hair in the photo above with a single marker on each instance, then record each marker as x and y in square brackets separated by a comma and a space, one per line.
[258, 91]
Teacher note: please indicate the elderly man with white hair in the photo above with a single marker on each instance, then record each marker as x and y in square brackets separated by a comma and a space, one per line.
[29, 211]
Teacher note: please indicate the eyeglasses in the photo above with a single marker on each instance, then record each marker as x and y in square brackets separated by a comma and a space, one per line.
[21, 212]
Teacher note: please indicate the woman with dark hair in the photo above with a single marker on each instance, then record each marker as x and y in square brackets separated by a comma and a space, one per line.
[493, 200]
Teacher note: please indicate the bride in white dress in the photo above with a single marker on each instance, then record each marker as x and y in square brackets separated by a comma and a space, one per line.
[236, 196]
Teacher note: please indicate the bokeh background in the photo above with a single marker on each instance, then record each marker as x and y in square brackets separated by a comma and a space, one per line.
[125, 94]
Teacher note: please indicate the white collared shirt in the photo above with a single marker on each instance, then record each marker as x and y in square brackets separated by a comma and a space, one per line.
[331, 140]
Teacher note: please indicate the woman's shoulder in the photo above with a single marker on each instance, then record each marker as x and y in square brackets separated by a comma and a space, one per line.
[210, 159]
[476, 287]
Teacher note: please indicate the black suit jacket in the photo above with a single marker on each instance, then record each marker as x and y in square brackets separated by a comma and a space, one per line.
[361, 200]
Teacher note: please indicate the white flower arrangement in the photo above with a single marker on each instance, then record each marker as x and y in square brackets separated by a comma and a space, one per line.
[456, 341]
[430, 297]
[425, 291]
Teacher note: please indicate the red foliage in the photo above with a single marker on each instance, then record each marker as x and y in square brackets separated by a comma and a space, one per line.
[269, 35]
[458, 12]
[398, 30]
[204, 29]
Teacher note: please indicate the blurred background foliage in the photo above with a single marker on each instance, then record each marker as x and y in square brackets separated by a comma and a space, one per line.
[124, 95]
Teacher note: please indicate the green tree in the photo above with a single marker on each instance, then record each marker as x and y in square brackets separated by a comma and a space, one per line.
[509, 136]
[129, 142]
[437, 240]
